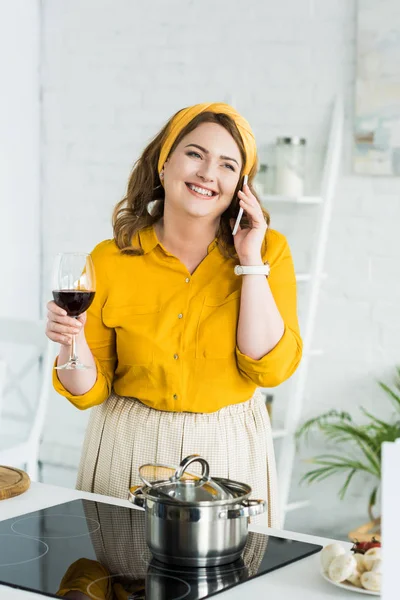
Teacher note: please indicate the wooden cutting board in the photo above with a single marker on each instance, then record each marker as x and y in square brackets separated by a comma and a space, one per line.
[13, 482]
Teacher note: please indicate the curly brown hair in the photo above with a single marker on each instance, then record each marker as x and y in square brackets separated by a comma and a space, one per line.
[143, 204]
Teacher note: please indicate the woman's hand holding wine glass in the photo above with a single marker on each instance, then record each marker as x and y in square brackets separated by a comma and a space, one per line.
[60, 327]
[74, 285]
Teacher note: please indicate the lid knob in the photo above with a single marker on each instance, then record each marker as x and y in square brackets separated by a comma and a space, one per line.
[205, 473]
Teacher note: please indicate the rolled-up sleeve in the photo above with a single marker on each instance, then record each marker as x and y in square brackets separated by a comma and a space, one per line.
[282, 361]
[101, 341]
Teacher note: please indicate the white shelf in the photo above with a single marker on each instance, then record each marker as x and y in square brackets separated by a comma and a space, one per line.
[279, 433]
[315, 352]
[266, 199]
[293, 412]
[304, 277]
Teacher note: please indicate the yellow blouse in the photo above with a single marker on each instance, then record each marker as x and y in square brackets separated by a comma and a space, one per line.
[168, 338]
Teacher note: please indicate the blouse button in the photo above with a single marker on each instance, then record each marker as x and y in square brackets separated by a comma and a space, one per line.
[187, 279]
[175, 397]
[176, 356]
[180, 316]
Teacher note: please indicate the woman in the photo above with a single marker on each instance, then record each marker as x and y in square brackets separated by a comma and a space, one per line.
[178, 342]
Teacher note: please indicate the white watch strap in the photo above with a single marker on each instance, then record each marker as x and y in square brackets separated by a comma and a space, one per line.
[253, 270]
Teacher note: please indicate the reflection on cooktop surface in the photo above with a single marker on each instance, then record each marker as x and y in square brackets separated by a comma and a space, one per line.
[100, 549]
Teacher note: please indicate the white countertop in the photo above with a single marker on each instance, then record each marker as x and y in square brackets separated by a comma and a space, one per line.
[300, 580]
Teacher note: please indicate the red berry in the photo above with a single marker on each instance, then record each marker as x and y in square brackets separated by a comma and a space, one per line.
[373, 544]
[362, 547]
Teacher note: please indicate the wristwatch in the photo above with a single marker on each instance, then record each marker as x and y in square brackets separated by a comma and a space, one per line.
[256, 270]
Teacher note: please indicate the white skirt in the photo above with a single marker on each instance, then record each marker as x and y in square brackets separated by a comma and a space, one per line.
[123, 434]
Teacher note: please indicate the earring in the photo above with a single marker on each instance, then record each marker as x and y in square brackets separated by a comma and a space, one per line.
[162, 174]
[152, 205]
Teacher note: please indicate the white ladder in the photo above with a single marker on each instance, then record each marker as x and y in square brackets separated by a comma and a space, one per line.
[293, 413]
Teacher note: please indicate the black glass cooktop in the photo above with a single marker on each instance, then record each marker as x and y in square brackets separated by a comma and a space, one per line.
[100, 549]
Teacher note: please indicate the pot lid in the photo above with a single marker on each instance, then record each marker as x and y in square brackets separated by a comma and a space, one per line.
[181, 486]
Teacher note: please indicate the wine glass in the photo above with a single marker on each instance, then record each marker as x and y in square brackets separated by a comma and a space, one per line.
[74, 285]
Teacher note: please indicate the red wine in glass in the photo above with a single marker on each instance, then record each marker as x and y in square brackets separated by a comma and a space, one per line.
[73, 290]
[75, 302]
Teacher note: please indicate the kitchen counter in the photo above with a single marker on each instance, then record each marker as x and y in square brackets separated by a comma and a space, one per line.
[300, 580]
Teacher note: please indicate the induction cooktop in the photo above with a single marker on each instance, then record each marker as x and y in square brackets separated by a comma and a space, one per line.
[100, 549]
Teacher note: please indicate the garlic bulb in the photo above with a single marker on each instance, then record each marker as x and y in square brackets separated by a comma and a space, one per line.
[377, 566]
[342, 567]
[370, 556]
[329, 553]
[360, 563]
[371, 580]
[355, 579]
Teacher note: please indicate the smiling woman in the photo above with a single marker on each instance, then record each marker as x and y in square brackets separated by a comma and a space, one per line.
[146, 189]
[201, 182]
[178, 343]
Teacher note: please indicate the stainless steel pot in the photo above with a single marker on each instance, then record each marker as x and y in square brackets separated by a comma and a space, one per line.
[196, 521]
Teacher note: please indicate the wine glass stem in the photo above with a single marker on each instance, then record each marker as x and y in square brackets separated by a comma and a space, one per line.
[73, 356]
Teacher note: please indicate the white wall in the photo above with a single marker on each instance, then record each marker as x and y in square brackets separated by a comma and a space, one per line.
[113, 73]
[19, 159]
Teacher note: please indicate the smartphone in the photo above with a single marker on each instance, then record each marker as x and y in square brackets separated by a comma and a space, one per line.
[240, 214]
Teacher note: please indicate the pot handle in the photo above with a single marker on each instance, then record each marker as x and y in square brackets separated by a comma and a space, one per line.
[248, 508]
[136, 496]
[205, 473]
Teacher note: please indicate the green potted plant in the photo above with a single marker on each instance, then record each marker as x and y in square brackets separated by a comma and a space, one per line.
[359, 445]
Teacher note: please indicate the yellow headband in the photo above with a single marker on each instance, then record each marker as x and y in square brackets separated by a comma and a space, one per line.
[186, 115]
